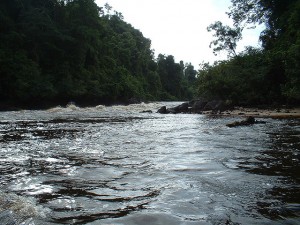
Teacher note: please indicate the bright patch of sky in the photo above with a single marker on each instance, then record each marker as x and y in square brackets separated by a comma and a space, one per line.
[179, 27]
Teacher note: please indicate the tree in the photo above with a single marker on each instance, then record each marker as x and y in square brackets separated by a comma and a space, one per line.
[248, 12]
[190, 73]
[58, 51]
[274, 68]
[226, 38]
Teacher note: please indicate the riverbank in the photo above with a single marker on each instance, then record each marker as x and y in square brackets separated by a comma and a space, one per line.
[220, 108]
[280, 113]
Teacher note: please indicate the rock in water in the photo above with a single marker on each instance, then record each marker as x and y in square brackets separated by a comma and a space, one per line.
[162, 110]
[248, 121]
[146, 111]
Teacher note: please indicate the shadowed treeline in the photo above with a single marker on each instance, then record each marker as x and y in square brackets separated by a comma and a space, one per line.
[54, 51]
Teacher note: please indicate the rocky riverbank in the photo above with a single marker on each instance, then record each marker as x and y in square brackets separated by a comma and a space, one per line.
[263, 112]
[221, 108]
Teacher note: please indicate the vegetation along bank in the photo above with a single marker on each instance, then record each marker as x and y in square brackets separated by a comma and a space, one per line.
[54, 51]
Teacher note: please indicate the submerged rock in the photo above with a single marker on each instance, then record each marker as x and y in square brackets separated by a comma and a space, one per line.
[146, 111]
[250, 120]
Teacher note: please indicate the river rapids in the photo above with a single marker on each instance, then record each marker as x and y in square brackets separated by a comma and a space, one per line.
[117, 166]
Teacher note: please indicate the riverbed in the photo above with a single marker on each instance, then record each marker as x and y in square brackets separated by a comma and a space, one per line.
[116, 165]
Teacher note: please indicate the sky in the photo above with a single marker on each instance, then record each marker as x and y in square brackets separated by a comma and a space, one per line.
[179, 27]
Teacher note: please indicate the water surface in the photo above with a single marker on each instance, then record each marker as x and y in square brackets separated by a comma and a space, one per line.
[115, 165]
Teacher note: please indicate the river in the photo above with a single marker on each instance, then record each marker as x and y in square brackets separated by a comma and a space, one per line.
[117, 166]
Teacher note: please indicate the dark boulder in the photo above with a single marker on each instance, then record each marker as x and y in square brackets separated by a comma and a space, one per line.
[183, 108]
[214, 105]
[162, 110]
[250, 120]
[197, 106]
[171, 110]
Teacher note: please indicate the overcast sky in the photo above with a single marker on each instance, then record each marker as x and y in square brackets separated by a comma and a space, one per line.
[179, 27]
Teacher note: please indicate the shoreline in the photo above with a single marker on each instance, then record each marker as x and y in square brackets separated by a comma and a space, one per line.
[281, 113]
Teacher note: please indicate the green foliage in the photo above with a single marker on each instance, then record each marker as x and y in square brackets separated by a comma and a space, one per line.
[267, 76]
[291, 88]
[241, 80]
[174, 83]
[227, 38]
[60, 51]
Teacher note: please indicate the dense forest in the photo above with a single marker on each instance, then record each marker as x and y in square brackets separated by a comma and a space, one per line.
[269, 75]
[56, 51]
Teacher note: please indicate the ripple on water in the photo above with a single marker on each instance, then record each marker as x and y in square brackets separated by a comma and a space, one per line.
[113, 165]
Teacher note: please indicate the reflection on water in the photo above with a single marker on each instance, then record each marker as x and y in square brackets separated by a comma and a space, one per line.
[282, 160]
[114, 165]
